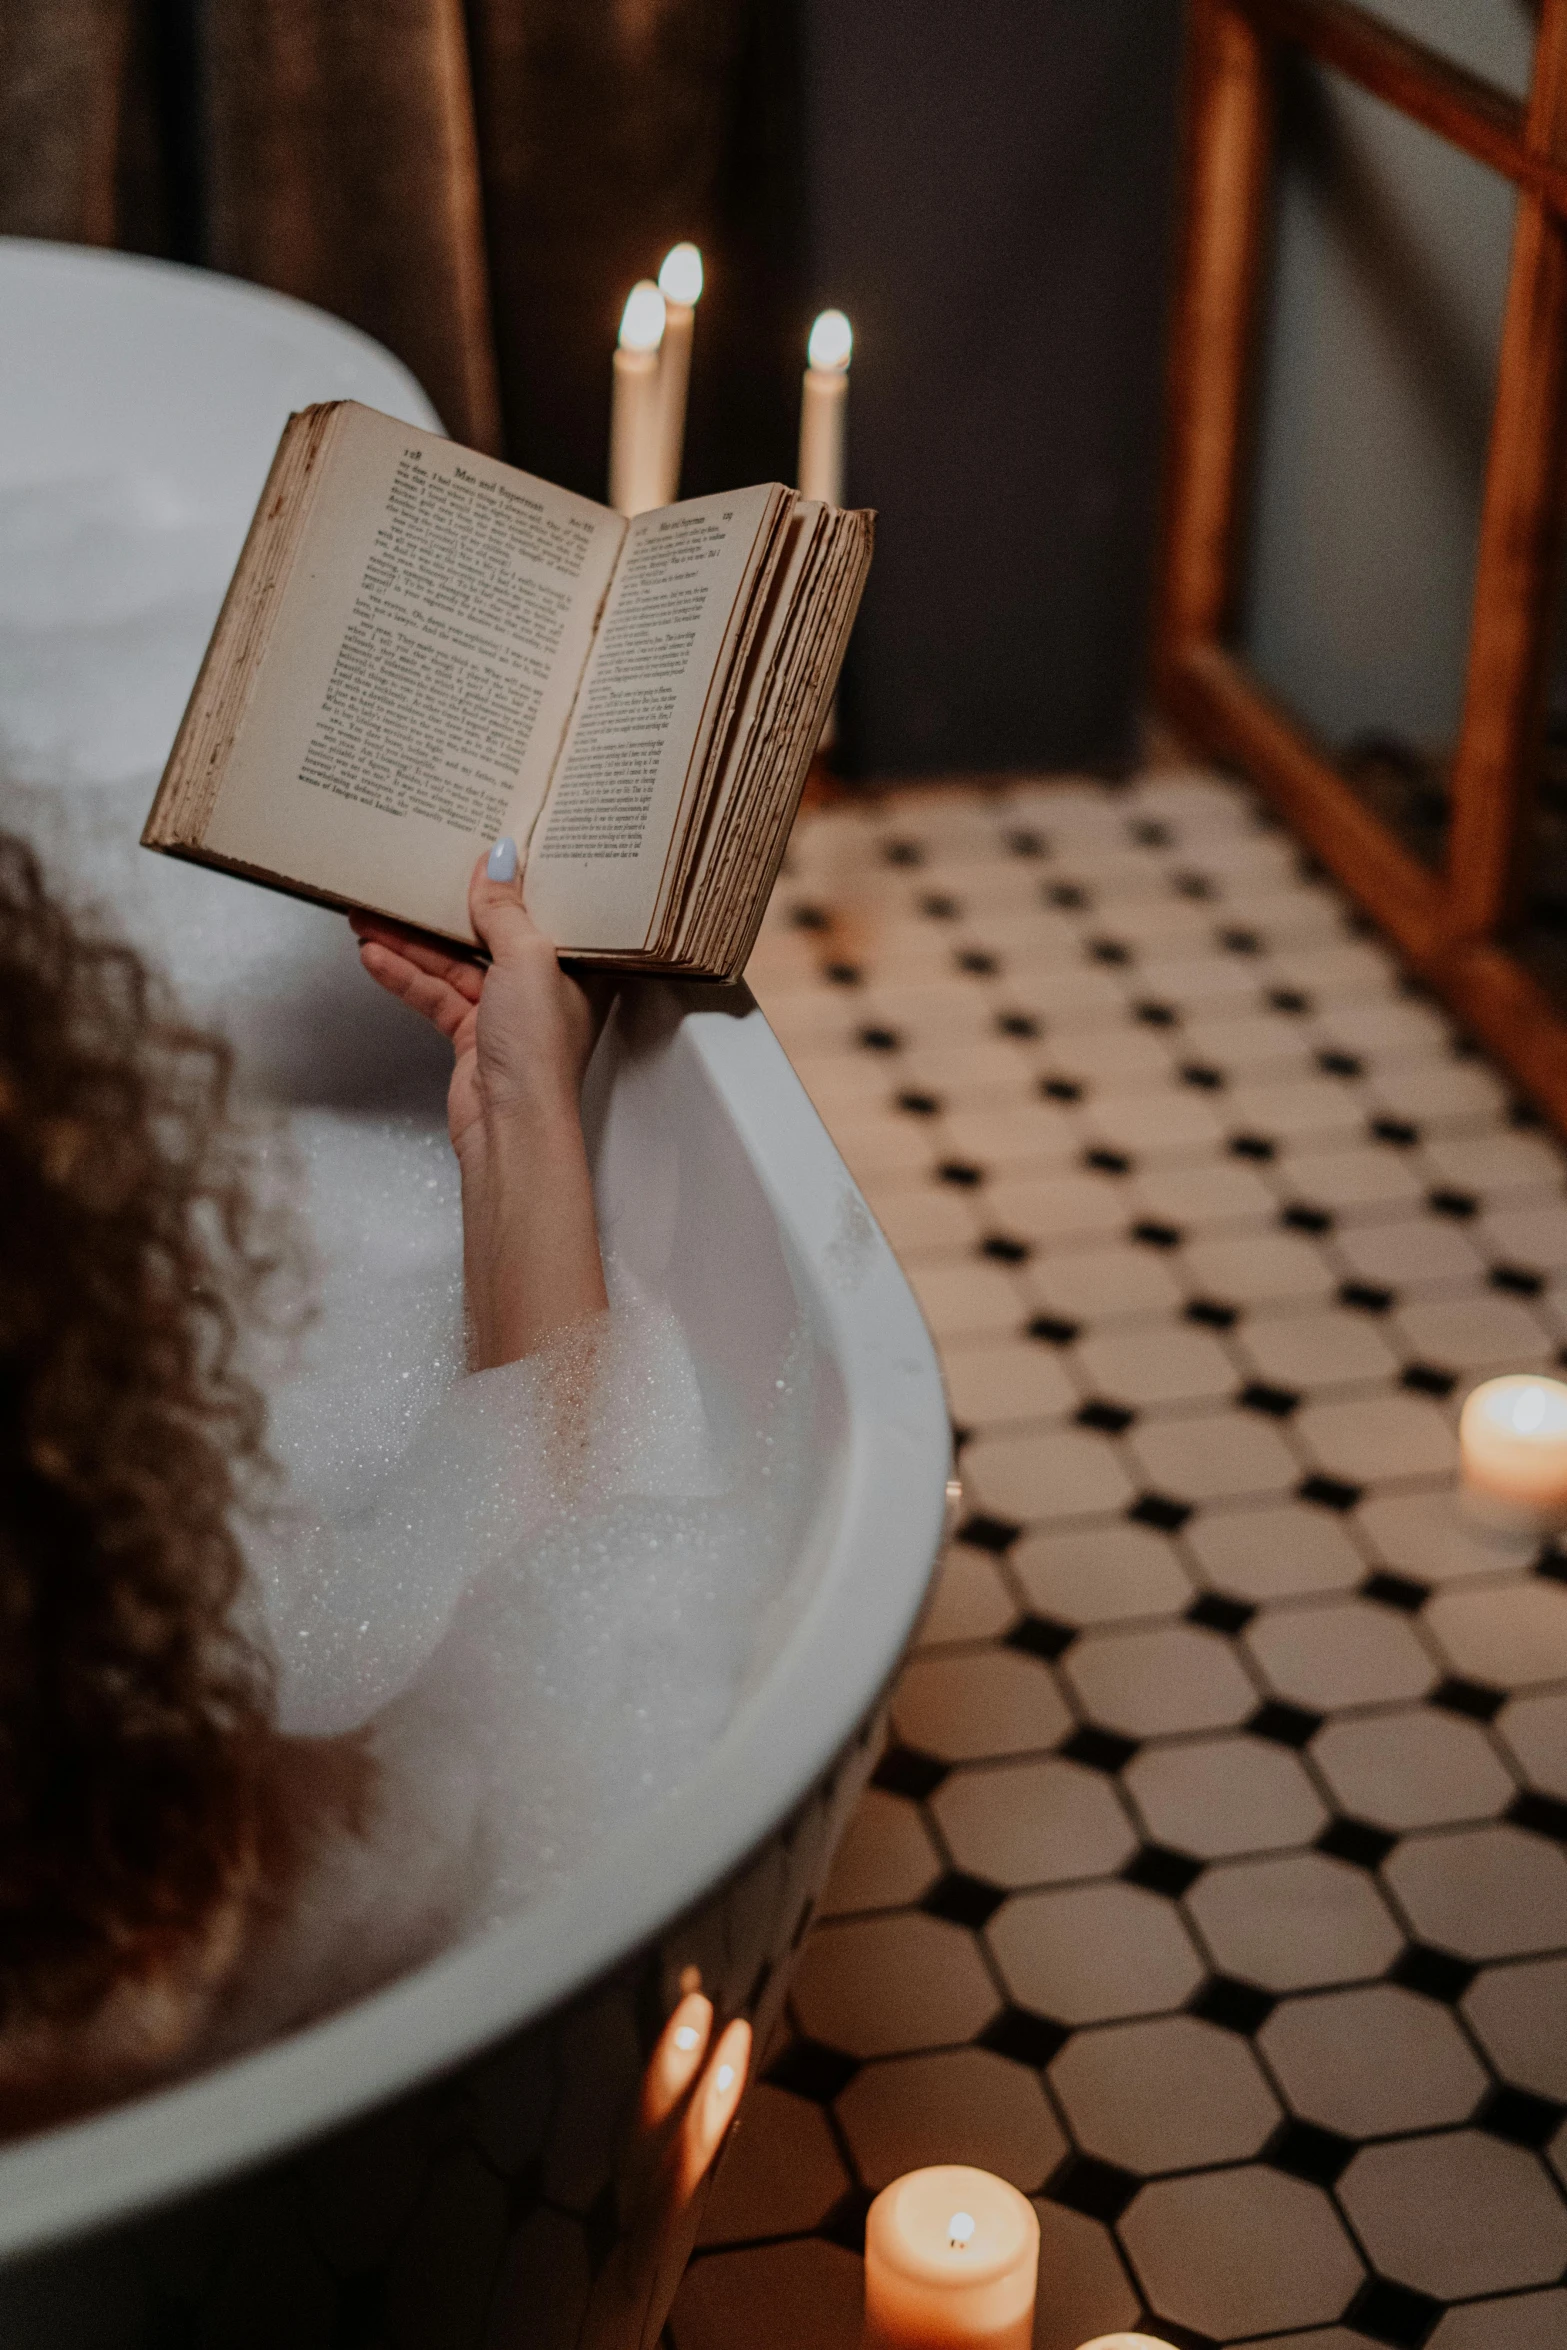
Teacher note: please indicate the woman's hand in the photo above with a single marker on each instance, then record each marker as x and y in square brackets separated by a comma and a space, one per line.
[521, 1033]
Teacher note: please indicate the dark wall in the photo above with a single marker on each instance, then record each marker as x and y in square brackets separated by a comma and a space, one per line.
[989, 192]
[982, 184]
[608, 132]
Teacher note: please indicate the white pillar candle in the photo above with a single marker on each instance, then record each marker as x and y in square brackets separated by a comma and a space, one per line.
[824, 407]
[951, 2263]
[1512, 1449]
[680, 283]
[633, 416]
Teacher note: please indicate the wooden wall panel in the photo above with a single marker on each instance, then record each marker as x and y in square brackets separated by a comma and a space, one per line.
[1451, 927]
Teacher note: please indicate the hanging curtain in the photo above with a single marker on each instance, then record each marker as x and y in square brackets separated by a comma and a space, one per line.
[478, 188]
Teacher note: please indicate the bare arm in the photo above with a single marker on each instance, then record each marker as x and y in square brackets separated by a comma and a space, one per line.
[521, 1032]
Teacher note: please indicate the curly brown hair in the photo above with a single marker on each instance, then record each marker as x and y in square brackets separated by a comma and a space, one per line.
[134, 1708]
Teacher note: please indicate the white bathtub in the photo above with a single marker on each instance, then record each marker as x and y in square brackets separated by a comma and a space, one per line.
[260, 2202]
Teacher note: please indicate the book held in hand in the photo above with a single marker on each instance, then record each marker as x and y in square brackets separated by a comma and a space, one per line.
[423, 649]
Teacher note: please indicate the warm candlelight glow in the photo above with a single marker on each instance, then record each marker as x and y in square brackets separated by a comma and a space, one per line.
[680, 278]
[1512, 1444]
[824, 410]
[635, 418]
[690, 2093]
[677, 2059]
[832, 340]
[951, 2259]
[1525, 1407]
[1125, 2342]
[717, 2100]
[642, 320]
[824, 402]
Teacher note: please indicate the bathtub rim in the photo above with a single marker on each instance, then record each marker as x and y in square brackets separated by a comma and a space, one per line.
[838, 1657]
[311, 333]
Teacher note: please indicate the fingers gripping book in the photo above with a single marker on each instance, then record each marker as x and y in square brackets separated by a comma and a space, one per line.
[422, 649]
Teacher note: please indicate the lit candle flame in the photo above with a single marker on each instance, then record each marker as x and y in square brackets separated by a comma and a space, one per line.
[687, 2038]
[1529, 1407]
[680, 278]
[642, 321]
[724, 2078]
[960, 2228]
[832, 339]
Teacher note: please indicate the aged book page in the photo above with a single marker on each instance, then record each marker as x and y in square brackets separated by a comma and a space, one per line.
[656, 684]
[741, 848]
[732, 906]
[764, 681]
[413, 693]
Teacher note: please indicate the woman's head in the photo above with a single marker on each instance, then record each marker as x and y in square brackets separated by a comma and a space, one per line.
[132, 1709]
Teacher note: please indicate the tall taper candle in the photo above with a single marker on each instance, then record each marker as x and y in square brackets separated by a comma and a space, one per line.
[633, 417]
[680, 283]
[824, 404]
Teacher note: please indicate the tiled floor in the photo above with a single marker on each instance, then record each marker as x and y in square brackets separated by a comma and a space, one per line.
[1214, 1888]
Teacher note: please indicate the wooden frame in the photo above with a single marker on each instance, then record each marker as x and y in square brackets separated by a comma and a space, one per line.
[1450, 925]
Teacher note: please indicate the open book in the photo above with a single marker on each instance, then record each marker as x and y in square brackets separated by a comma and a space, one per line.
[423, 649]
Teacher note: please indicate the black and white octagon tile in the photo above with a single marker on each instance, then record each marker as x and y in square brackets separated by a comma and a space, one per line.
[1213, 1887]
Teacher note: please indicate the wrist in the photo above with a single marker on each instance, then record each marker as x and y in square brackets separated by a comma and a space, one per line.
[520, 1133]
[531, 1263]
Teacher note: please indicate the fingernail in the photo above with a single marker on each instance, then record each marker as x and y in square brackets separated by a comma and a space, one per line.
[501, 864]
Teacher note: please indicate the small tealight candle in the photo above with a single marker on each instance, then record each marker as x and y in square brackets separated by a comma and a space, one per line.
[634, 410]
[1124, 2342]
[680, 283]
[951, 2263]
[1512, 1449]
[824, 404]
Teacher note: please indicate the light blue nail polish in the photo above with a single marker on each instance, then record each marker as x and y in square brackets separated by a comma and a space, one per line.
[501, 865]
